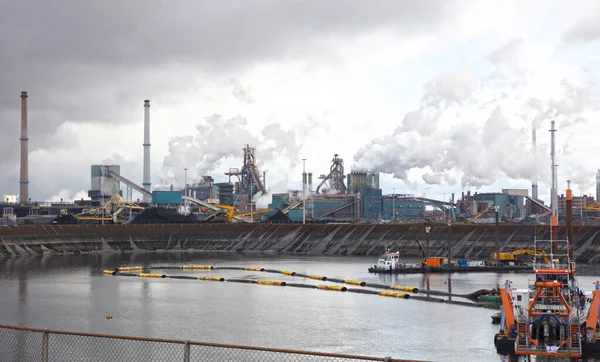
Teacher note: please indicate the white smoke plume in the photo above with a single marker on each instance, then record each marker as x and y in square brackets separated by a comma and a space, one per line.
[66, 195]
[567, 109]
[218, 144]
[447, 136]
[582, 178]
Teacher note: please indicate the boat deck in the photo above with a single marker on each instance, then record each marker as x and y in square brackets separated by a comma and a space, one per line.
[454, 269]
[565, 351]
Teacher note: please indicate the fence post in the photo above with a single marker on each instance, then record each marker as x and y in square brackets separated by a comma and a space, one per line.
[45, 336]
[186, 351]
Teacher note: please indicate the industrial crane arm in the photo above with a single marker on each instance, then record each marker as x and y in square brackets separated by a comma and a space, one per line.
[130, 183]
[478, 215]
[532, 253]
[254, 212]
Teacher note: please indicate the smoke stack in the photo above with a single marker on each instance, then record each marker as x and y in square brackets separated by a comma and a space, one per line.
[146, 183]
[534, 185]
[303, 180]
[24, 180]
[553, 191]
[310, 182]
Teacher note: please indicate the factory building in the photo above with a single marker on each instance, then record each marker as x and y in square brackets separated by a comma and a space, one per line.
[512, 204]
[509, 205]
[579, 202]
[360, 198]
[167, 198]
[404, 207]
[104, 186]
[204, 190]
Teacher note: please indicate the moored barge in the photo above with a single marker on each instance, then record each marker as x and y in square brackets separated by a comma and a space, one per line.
[389, 263]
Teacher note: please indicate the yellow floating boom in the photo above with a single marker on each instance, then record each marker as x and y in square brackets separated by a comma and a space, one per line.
[215, 279]
[317, 277]
[109, 272]
[130, 268]
[147, 275]
[254, 269]
[271, 282]
[332, 287]
[385, 293]
[355, 282]
[197, 267]
[404, 288]
[287, 272]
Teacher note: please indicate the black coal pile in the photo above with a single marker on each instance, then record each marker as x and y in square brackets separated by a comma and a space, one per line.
[160, 215]
[66, 220]
[279, 217]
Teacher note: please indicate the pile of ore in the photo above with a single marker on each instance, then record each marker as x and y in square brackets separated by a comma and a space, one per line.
[66, 220]
[161, 215]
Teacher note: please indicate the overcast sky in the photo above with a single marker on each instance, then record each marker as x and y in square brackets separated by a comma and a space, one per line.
[441, 96]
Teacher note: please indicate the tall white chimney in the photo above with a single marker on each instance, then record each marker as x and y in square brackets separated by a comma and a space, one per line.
[24, 179]
[146, 183]
[534, 186]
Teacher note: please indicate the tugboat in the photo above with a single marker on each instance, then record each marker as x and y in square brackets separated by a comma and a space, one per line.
[387, 263]
[553, 316]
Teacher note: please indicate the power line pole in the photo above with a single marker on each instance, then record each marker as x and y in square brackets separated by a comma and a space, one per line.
[393, 205]
[303, 191]
[497, 210]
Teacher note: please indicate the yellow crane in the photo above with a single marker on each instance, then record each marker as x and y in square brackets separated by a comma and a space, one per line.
[478, 216]
[111, 211]
[513, 256]
[594, 207]
[232, 209]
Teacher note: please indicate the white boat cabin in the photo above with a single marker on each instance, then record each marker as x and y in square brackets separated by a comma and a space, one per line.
[389, 260]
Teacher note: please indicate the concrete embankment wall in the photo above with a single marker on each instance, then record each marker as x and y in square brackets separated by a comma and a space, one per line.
[468, 241]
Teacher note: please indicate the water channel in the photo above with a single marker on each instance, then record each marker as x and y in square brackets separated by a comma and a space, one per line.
[68, 292]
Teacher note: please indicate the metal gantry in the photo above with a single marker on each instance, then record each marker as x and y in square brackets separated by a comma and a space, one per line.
[113, 211]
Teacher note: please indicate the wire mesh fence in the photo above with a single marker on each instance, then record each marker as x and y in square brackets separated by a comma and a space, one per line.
[31, 344]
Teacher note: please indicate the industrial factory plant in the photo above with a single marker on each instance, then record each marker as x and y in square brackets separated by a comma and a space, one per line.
[299, 180]
[340, 195]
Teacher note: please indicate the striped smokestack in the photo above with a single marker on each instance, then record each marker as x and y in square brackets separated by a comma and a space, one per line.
[24, 180]
[146, 183]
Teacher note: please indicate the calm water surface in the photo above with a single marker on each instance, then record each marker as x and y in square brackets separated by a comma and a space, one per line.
[68, 292]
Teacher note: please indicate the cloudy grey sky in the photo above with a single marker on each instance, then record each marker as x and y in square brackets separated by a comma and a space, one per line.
[440, 95]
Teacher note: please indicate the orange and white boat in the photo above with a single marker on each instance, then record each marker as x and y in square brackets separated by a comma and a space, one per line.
[551, 316]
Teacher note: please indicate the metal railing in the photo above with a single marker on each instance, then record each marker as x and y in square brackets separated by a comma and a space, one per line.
[24, 344]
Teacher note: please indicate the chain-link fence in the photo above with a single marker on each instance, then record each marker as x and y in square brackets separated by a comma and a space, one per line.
[30, 344]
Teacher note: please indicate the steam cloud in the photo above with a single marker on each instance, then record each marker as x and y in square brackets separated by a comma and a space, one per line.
[220, 141]
[481, 149]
